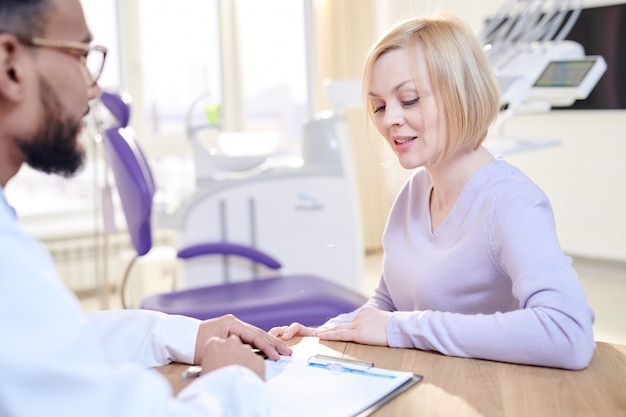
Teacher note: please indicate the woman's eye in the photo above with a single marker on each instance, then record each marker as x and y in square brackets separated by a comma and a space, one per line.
[410, 102]
[379, 109]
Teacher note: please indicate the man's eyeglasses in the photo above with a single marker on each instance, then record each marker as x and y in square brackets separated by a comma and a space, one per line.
[92, 57]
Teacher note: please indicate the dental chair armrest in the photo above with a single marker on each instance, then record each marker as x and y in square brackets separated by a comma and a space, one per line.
[229, 249]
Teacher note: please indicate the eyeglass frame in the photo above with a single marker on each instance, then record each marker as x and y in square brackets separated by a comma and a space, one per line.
[68, 47]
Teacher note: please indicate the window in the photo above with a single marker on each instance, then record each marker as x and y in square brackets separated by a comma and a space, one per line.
[101, 17]
[180, 60]
[244, 58]
[273, 51]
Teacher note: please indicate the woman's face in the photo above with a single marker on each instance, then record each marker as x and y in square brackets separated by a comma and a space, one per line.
[404, 110]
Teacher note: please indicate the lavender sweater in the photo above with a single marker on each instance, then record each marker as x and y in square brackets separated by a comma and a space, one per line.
[491, 282]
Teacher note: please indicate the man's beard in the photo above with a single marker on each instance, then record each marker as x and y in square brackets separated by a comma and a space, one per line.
[53, 149]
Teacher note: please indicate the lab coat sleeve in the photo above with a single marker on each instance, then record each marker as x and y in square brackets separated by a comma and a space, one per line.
[152, 338]
[52, 363]
[147, 337]
[57, 361]
[242, 393]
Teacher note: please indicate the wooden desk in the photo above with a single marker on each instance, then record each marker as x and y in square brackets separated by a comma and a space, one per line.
[471, 387]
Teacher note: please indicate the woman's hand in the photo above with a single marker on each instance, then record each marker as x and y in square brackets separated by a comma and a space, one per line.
[295, 329]
[368, 327]
[228, 325]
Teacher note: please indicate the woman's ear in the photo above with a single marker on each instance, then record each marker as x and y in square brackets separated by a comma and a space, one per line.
[11, 68]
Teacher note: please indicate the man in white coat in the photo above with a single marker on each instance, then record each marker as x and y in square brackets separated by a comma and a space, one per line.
[55, 359]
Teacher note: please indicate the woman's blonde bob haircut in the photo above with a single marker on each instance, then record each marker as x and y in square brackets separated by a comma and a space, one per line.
[463, 82]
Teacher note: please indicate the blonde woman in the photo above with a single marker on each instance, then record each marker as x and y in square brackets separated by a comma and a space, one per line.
[472, 265]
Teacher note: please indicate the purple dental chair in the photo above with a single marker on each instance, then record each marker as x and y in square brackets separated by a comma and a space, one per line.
[264, 302]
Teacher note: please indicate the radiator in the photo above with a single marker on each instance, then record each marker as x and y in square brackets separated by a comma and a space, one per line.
[87, 263]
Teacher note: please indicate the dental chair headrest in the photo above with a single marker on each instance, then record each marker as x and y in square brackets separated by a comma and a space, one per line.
[118, 105]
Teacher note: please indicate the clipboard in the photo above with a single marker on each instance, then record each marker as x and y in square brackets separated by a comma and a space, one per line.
[402, 388]
[332, 387]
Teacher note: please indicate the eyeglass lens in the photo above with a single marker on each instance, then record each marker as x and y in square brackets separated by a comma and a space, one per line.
[94, 62]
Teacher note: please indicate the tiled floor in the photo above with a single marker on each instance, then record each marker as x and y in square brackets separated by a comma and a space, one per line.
[605, 285]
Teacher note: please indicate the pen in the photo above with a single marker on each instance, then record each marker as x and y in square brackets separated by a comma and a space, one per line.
[194, 371]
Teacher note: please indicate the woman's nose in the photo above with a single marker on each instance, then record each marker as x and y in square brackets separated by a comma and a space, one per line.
[393, 116]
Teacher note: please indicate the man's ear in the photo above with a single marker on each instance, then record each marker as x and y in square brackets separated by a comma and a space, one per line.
[11, 68]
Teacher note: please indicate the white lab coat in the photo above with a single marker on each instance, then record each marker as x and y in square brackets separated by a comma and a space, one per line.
[56, 360]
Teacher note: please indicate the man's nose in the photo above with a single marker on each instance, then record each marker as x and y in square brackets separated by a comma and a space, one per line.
[94, 91]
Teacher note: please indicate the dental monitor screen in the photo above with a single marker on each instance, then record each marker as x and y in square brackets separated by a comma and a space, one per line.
[564, 74]
[565, 81]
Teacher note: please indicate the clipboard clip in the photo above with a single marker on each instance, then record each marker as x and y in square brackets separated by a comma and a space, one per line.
[335, 364]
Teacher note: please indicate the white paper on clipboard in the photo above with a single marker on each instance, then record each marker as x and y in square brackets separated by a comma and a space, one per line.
[331, 387]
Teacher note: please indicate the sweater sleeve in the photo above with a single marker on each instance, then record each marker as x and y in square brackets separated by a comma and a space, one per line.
[553, 323]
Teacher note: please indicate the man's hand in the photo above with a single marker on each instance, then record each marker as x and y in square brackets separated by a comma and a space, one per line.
[218, 352]
[228, 325]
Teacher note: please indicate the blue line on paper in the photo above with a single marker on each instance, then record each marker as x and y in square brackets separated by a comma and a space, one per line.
[340, 369]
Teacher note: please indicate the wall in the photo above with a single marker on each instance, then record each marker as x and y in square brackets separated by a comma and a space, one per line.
[343, 33]
[585, 177]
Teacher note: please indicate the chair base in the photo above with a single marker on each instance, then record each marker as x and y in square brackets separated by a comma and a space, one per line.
[265, 303]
